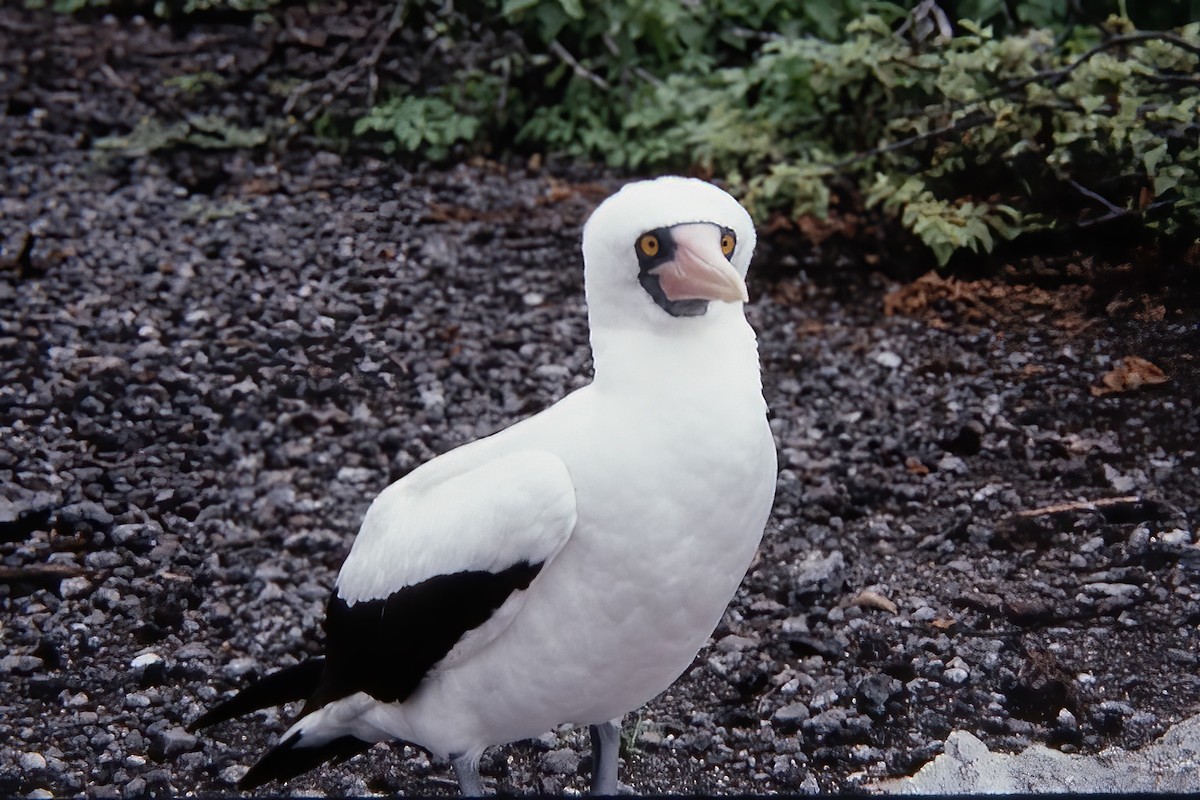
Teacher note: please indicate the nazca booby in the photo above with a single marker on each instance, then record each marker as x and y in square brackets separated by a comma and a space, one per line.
[566, 569]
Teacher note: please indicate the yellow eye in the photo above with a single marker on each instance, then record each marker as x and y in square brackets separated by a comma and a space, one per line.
[648, 244]
[728, 242]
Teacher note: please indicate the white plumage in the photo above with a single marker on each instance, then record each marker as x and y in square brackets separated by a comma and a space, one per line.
[629, 511]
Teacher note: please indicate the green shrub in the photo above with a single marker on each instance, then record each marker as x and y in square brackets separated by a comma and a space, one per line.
[969, 122]
[982, 137]
[428, 124]
[966, 138]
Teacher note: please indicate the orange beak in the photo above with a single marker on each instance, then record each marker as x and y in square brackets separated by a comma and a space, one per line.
[699, 271]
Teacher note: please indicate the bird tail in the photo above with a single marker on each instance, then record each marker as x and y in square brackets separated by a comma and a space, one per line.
[297, 682]
[292, 756]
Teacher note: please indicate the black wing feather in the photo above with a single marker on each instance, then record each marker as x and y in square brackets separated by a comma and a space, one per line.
[386, 647]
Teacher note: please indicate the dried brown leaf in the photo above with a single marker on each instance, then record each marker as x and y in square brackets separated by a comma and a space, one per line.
[1129, 374]
[980, 301]
[1151, 313]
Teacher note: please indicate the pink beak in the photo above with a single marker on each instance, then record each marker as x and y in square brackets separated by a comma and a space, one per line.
[699, 271]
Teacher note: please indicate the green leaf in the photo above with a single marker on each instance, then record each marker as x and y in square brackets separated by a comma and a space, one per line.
[573, 8]
[513, 7]
[1152, 158]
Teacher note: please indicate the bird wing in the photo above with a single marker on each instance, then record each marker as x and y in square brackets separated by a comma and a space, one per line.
[439, 568]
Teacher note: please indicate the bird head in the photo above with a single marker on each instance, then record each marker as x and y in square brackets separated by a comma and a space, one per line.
[663, 250]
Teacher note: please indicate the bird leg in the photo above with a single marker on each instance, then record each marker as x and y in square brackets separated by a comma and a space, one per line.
[466, 769]
[606, 746]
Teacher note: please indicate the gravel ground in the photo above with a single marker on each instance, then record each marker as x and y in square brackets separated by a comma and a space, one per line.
[212, 362]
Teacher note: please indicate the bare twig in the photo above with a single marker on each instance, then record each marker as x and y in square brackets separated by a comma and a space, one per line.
[1086, 192]
[1081, 505]
[394, 23]
[1132, 38]
[1121, 212]
[1174, 80]
[1114, 211]
[611, 44]
[973, 120]
[647, 77]
[580, 70]
[303, 89]
[750, 34]
[1057, 76]
[336, 84]
[38, 573]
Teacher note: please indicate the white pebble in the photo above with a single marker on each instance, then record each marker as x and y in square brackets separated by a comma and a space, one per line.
[1176, 536]
[32, 761]
[137, 700]
[74, 587]
[956, 675]
[886, 358]
[145, 660]
[949, 463]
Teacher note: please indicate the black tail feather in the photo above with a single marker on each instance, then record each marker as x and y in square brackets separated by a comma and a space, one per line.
[297, 682]
[287, 760]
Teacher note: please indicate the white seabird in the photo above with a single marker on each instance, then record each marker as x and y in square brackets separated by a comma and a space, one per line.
[566, 569]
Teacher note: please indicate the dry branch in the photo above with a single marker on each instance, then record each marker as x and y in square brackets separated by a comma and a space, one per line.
[1081, 505]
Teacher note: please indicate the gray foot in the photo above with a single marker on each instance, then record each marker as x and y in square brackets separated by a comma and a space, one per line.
[466, 769]
[606, 746]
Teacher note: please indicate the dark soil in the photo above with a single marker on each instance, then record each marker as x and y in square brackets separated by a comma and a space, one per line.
[210, 362]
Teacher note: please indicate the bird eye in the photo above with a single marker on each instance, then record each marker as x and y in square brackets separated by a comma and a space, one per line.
[648, 244]
[728, 242]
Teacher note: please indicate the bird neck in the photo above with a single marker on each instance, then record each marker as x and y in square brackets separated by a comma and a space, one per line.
[688, 355]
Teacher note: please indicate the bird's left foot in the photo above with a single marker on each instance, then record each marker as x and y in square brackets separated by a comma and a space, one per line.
[466, 769]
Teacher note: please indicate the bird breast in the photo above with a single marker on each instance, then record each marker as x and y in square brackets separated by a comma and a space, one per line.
[665, 533]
